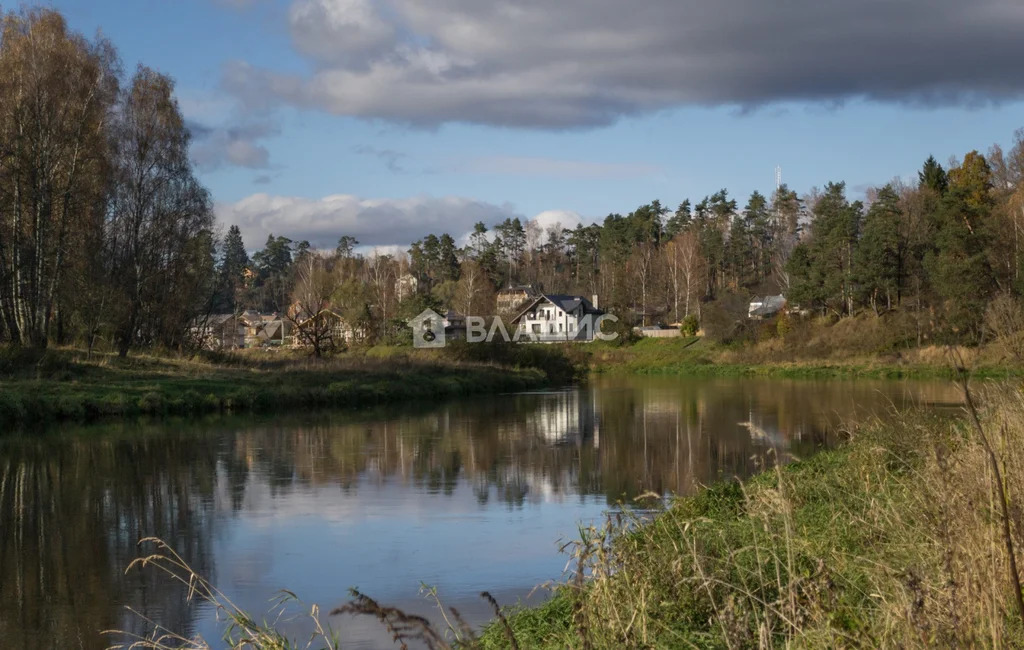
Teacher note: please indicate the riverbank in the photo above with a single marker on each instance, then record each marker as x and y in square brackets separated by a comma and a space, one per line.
[894, 540]
[698, 357]
[64, 385]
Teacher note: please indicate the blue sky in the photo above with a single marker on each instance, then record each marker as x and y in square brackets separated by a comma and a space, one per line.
[417, 121]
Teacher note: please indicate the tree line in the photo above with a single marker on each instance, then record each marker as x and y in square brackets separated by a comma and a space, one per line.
[945, 248]
[105, 233]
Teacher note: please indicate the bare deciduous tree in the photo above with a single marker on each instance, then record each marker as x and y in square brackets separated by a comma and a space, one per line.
[315, 286]
[685, 266]
[160, 217]
[380, 275]
[474, 290]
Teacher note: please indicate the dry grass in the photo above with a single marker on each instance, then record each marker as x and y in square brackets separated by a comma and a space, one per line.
[242, 631]
[898, 540]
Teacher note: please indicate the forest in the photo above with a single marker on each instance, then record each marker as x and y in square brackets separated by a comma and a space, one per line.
[944, 251]
[107, 237]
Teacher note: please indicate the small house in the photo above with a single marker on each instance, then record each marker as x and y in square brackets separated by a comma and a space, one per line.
[761, 308]
[218, 332]
[512, 299]
[454, 326]
[559, 317]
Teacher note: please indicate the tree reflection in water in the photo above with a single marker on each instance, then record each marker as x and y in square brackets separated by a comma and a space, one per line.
[73, 505]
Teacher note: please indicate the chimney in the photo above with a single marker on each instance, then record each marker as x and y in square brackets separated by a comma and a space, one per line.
[593, 301]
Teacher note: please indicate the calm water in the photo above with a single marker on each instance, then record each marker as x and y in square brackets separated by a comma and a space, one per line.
[465, 496]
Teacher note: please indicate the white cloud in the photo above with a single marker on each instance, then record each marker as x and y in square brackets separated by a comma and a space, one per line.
[373, 222]
[567, 219]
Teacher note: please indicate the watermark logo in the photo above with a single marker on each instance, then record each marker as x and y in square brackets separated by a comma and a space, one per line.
[431, 330]
[428, 330]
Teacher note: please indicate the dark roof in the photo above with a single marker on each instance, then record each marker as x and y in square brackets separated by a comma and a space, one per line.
[274, 329]
[564, 302]
[569, 303]
[219, 319]
[770, 305]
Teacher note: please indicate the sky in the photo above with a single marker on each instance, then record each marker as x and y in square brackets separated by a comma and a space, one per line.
[391, 119]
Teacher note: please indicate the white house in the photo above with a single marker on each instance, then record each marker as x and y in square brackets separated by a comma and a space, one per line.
[558, 317]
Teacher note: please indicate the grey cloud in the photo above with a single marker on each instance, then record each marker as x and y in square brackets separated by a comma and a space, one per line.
[339, 31]
[216, 147]
[579, 63]
[374, 222]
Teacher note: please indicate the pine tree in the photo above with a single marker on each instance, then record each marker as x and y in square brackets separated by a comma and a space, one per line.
[233, 265]
[879, 260]
[959, 268]
[933, 176]
[679, 220]
[757, 222]
[823, 273]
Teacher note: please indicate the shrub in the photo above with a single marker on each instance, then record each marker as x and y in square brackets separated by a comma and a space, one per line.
[151, 402]
[690, 326]
[783, 324]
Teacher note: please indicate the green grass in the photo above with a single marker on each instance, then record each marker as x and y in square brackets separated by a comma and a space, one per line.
[63, 386]
[697, 357]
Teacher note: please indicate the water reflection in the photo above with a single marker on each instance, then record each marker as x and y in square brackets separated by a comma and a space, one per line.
[467, 495]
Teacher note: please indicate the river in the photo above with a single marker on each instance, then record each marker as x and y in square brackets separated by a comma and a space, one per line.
[468, 495]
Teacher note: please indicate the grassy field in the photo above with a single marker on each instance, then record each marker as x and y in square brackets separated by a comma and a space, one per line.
[63, 385]
[698, 357]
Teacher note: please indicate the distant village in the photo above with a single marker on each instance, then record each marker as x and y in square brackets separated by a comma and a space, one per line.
[537, 316]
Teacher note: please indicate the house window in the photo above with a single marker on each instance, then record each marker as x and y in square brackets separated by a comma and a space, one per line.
[559, 327]
[572, 327]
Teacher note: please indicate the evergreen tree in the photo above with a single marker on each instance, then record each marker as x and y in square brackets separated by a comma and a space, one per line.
[758, 225]
[478, 242]
[273, 271]
[959, 268]
[679, 220]
[933, 176]
[738, 251]
[346, 246]
[879, 260]
[822, 275]
[233, 265]
[447, 260]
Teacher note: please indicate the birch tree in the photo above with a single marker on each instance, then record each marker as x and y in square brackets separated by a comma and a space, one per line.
[160, 218]
[685, 266]
[56, 92]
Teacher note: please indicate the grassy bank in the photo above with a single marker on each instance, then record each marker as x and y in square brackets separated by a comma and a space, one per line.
[698, 357]
[63, 385]
[894, 540]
